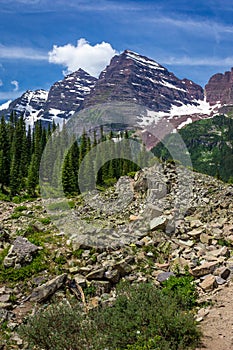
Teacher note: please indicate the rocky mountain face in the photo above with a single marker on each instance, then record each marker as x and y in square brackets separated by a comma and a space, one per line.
[60, 102]
[67, 95]
[30, 105]
[134, 78]
[219, 89]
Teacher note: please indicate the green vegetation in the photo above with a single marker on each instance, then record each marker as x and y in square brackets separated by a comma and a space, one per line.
[142, 317]
[99, 161]
[210, 145]
[183, 289]
[11, 274]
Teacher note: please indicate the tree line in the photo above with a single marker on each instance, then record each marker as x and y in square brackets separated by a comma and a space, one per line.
[21, 149]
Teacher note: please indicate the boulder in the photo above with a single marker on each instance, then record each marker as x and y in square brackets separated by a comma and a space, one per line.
[113, 276]
[164, 276]
[158, 223]
[47, 289]
[101, 287]
[204, 269]
[209, 283]
[123, 268]
[20, 253]
[96, 274]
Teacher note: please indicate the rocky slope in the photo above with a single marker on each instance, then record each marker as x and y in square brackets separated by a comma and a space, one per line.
[150, 239]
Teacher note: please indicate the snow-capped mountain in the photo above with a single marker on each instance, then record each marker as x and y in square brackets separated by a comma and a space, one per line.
[67, 95]
[30, 104]
[60, 102]
[131, 78]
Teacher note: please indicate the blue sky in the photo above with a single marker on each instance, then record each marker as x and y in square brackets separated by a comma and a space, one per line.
[40, 39]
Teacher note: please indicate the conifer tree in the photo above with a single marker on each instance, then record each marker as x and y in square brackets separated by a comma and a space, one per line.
[18, 155]
[4, 155]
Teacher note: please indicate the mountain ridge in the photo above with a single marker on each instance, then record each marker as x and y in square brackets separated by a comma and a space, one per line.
[129, 77]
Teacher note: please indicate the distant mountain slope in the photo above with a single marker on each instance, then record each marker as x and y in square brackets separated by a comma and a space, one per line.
[67, 95]
[210, 145]
[60, 102]
[30, 105]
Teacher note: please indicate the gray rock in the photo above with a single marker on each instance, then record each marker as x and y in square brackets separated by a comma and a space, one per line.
[223, 272]
[123, 267]
[154, 211]
[46, 290]
[20, 253]
[80, 280]
[96, 274]
[158, 223]
[3, 315]
[220, 280]
[163, 276]
[113, 276]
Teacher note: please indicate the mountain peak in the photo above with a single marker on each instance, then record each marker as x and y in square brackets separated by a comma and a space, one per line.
[143, 60]
[219, 88]
[131, 77]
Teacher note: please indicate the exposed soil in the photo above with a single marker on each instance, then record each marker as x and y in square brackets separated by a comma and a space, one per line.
[217, 326]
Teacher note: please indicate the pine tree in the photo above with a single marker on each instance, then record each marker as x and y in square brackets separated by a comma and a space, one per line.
[4, 155]
[32, 179]
[18, 152]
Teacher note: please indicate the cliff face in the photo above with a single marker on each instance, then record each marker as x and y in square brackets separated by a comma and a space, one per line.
[134, 78]
[219, 89]
[66, 96]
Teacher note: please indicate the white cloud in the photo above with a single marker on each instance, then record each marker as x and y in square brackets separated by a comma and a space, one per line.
[195, 61]
[189, 24]
[1, 82]
[92, 59]
[16, 85]
[15, 52]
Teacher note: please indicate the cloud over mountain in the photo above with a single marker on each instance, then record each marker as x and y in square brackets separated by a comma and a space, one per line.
[92, 59]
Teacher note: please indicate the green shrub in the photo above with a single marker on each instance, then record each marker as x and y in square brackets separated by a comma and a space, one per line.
[15, 215]
[78, 253]
[142, 318]
[59, 328]
[182, 289]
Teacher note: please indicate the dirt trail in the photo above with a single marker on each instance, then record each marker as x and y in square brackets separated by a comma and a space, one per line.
[217, 326]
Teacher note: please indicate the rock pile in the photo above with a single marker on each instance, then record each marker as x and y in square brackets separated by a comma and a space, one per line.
[150, 239]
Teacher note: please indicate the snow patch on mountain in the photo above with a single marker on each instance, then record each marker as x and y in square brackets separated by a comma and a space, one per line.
[5, 105]
[198, 107]
[144, 61]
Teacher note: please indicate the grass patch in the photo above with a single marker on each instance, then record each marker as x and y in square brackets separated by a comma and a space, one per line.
[11, 274]
[20, 208]
[45, 221]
